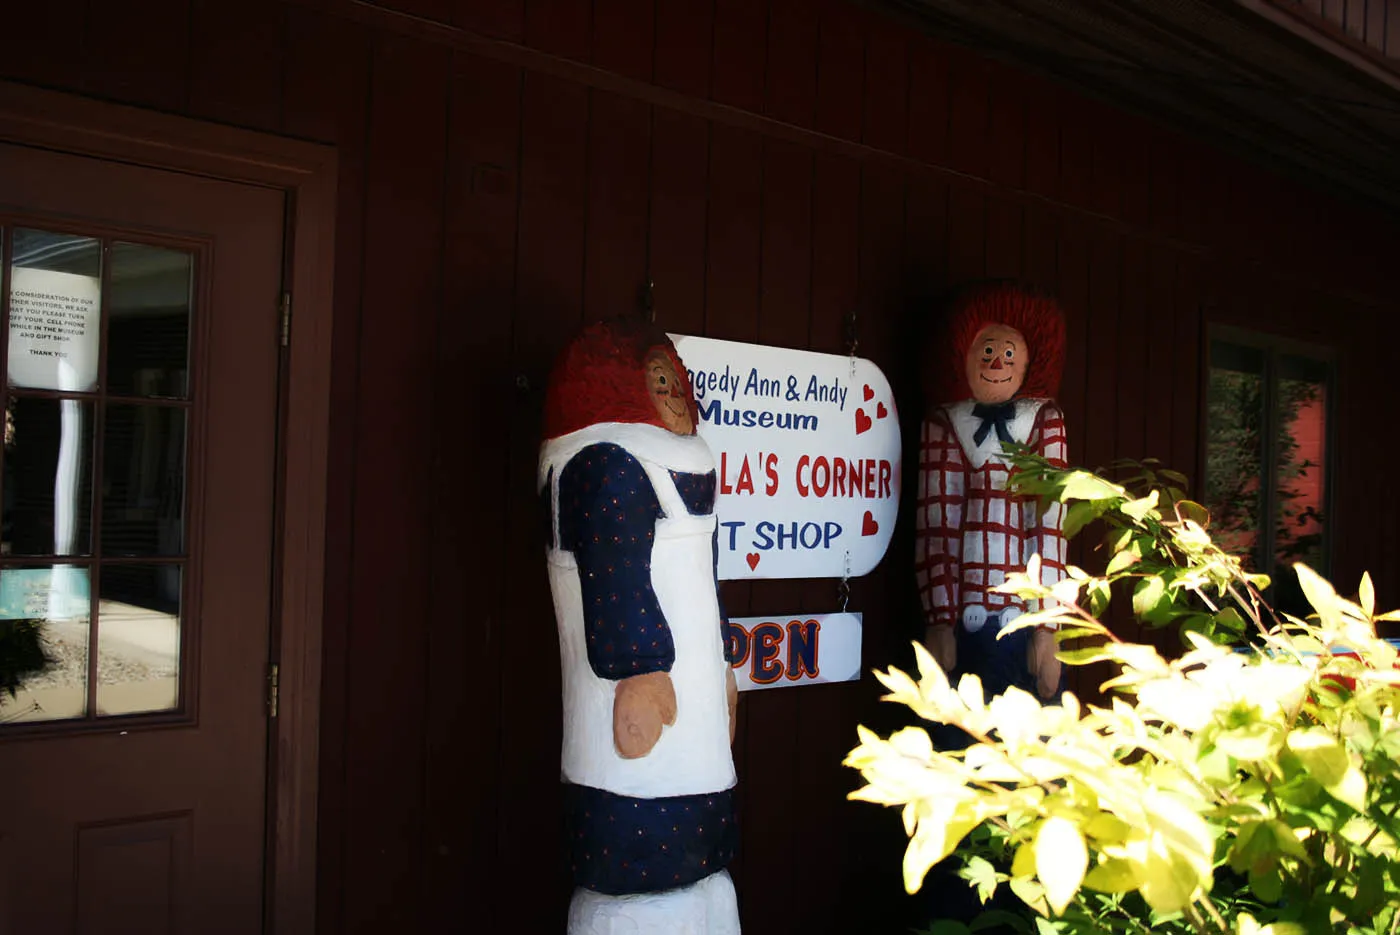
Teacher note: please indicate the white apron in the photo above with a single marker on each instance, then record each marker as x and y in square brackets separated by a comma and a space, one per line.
[693, 754]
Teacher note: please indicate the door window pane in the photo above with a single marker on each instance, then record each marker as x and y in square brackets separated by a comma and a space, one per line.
[1300, 456]
[143, 484]
[138, 639]
[148, 326]
[48, 478]
[55, 311]
[52, 603]
[1235, 420]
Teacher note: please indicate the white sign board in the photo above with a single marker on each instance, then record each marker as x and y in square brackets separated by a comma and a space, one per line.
[808, 456]
[55, 329]
[774, 652]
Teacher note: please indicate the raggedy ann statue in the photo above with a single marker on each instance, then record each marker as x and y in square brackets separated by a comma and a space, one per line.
[649, 696]
[994, 368]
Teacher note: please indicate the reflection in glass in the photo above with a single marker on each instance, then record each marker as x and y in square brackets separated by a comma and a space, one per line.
[56, 600]
[143, 481]
[1234, 448]
[1300, 451]
[148, 327]
[48, 478]
[138, 639]
[55, 311]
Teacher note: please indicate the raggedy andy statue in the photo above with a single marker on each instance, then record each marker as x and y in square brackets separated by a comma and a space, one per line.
[994, 367]
[648, 693]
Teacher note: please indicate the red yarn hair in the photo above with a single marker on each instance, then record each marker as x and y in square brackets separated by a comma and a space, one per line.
[1035, 314]
[601, 377]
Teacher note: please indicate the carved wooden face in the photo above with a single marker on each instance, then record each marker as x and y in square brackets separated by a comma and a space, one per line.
[996, 364]
[667, 394]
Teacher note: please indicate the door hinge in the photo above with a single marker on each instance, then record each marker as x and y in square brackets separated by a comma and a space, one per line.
[272, 690]
[286, 325]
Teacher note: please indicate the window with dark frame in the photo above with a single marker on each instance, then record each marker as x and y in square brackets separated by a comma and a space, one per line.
[1268, 457]
[93, 513]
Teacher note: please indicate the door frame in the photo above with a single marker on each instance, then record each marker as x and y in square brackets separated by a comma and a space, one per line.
[307, 174]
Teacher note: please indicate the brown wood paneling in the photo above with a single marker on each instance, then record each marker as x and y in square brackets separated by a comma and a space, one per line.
[733, 255]
[326, 98]
[560, 27]
[138, 52]
[1375, 23]
[791, 86]
[1042, 135]
[969, 116]
[548, 311]
[825, 723]
[925, 248]
[386, 707]
[473, 324]
[504, 19]
[1127, 364]
[1006, 126]
[44, 43]
[1161, 360]
[487, 209]
[886, 87]
[619, 157]
[680, 148]
[841, 34]
[1005, 238]
[624, 36]
[772, 757]
[1098, 447]
[236, 62]
[436, 10]
[967, 234]
[928, 102]
[740, 53]
[684, 43]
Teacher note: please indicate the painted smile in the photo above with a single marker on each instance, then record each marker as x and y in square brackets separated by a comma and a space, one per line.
[986, 380]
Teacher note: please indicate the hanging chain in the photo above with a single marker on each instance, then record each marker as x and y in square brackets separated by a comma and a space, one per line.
[843, 590]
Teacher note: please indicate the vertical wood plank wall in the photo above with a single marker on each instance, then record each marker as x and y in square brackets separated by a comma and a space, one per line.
[1375, 23]
[510, 169]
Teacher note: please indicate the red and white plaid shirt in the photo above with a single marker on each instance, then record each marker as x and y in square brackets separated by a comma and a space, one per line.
[970, 532]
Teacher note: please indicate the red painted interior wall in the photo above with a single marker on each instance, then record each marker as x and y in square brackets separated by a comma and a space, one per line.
[513, 168]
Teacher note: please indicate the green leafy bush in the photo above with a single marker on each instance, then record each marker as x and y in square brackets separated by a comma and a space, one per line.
[1243, 789]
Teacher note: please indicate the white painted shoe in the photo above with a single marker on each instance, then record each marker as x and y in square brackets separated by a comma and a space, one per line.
[706, 907]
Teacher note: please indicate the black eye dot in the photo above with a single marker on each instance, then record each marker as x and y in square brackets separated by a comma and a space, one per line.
[988, 350]
[661, 380]
[1010, 353]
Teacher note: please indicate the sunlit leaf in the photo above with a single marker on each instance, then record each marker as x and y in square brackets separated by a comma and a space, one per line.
[1322, 755]
[1351, 789]
[1061, 858]
[1148, 594]
[1367, 594]
[1114, 875]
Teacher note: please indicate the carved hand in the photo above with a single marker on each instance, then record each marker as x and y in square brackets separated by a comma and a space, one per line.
[1040, 659]
[939, 641]
[641, 705]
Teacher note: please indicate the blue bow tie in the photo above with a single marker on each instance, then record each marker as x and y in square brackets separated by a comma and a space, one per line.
[998, 415]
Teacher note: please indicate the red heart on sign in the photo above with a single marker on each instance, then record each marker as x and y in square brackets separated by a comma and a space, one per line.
[869, 393]
[881, 411]
[868, 526]
[863, 422]
[752, 559]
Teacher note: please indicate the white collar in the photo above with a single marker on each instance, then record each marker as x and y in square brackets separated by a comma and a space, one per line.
[965, 426]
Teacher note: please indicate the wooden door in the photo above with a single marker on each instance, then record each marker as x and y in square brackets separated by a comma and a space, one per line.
[137, 490]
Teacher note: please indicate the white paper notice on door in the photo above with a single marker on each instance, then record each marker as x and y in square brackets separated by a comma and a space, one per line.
[55, 329]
